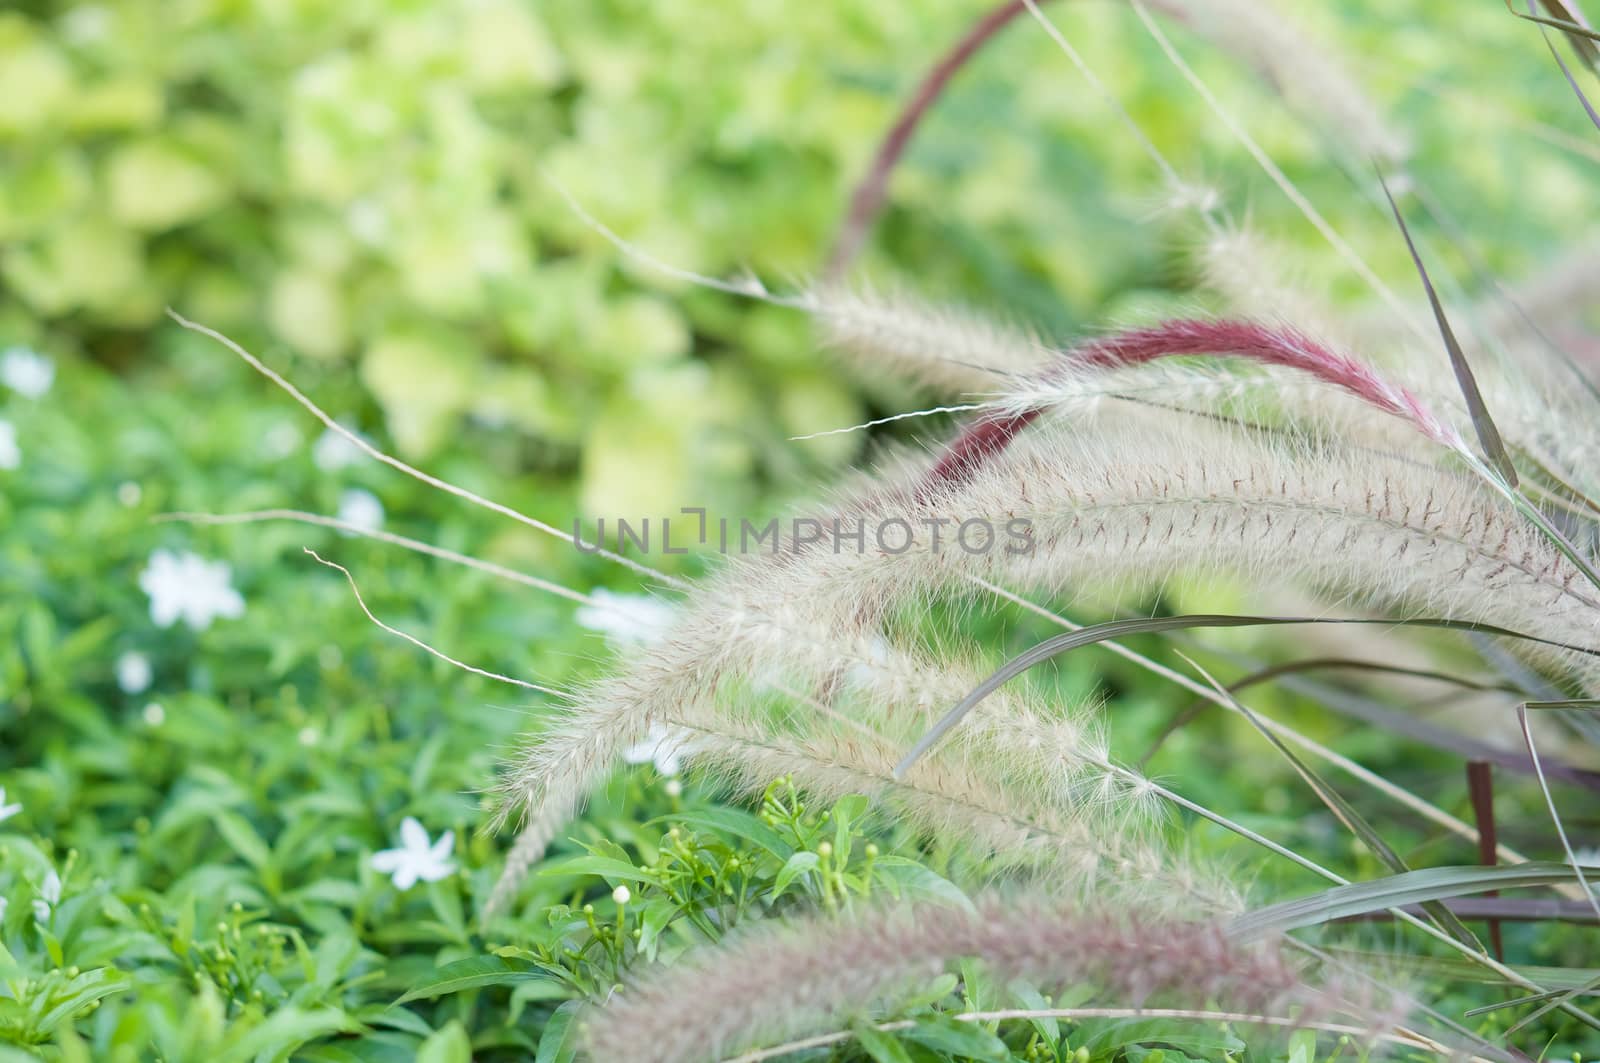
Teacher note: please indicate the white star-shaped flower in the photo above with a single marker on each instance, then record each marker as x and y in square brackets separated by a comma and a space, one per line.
[626, 619]
[361, 508]
[49, 896]
[663, 747]
[417, 859]
[188, 587]
[7, 811]
[134, 672]
[27, 372]
[10, 453]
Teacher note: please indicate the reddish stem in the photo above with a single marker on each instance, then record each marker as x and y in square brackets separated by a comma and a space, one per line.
[869, 195]
[1480, 784]
[1278, 345]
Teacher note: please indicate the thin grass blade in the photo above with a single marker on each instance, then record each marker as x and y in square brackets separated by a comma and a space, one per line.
[1582, 37]
[1587, 106]
[1088, 636]
[1353, 821]
[1488, 435]
[1413, 887]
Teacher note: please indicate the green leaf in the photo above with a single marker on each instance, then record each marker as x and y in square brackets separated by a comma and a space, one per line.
[79, 993]
[1303, 1046]
[913, 881]
[657, 914]
[736, 823]
[1194, 1040]
[846, 812]
[242, 838]
[881, 1046]
[449, 1044]
[613, 871]
[559, 1042]
[935, 991]
[284, 1031]
[474, 973]
[960, 1039]
[1049, 1026]
[798, 864]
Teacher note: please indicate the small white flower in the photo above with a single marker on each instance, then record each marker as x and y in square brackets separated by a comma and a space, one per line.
[626, 619]
[361, 508]
[154, 714]
[333, 451]
[188, 587]
[27, 372]
[49, 895]
[368, 221]
[663, 747]
[417, 858]
[621, 895]
[86, 25]
[10, 453]
[129, 493]
[308, 736]
[281, 440]
[134, 672]
[7, 811]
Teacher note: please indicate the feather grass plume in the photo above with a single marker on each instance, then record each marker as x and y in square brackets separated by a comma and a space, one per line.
[809, 687]
[772, 985]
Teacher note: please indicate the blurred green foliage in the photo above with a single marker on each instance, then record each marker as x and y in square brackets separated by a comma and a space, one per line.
[370, 183]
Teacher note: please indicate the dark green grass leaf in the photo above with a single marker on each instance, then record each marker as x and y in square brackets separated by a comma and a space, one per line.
[1456, 968]
[1413, 887]
[1583, 39]
[1354, 822]
[1487, 1009]
[1572, 81]
[1087, 636]
[1553, 1000]
[1488, 435]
